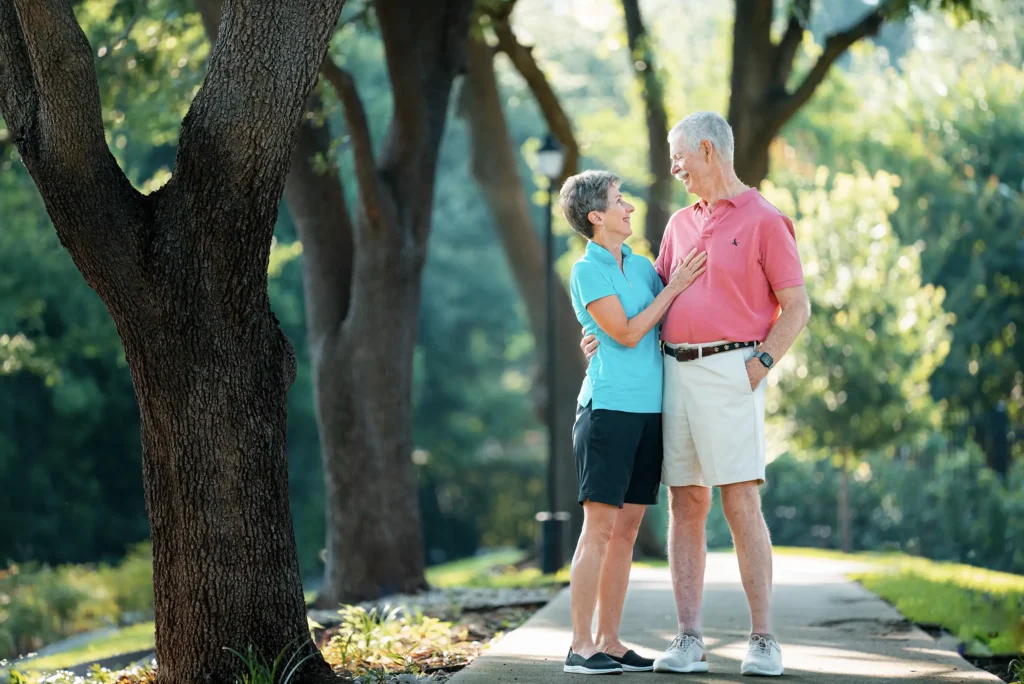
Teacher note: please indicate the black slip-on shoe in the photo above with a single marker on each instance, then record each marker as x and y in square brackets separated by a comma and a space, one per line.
[632, 661]
[597, 664]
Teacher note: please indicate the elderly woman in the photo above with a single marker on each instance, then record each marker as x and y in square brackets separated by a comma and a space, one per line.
[619, 297]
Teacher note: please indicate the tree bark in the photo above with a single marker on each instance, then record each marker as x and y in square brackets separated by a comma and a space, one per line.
[761, 101]
[659, 189]
[495, 167]
[363, 317]
[183, 273]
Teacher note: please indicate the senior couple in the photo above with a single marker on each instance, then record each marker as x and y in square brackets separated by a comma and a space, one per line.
[674, 392]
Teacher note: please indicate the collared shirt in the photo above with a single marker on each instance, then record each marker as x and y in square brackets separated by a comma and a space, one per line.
[618, 378]
[751, 248]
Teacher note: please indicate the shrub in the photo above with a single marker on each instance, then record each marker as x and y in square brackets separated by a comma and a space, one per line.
[39, 605]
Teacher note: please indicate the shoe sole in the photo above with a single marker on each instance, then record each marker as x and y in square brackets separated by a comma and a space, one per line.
[579, 669]
[701, 666]
[634, 668]
[758, 672]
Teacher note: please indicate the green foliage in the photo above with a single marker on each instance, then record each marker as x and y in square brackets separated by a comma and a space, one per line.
[138, 637]
[1017, 672]
[936, 502]
[946, 120]
[372, 642]
[983, 609]
[281, 671]
[858, 377]
[41, 605]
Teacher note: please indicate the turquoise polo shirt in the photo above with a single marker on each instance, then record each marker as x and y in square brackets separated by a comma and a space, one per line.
[618, 378]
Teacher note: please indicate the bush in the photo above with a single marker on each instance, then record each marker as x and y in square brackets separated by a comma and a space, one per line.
[943, 506]
[39, 605]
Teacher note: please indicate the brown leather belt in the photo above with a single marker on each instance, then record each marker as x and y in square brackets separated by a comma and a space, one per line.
[699, 352]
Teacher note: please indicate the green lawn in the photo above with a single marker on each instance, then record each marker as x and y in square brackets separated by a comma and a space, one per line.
[135, 638]
[983, 608]
[494, 570]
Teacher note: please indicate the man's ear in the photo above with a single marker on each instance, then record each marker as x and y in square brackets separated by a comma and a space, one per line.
[707, 149]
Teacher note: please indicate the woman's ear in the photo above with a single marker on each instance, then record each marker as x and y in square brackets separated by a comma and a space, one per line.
[595, 218]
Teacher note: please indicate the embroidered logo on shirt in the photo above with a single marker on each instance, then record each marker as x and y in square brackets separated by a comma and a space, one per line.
[735, 243]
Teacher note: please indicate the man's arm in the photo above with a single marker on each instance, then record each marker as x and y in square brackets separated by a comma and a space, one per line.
[796, 310]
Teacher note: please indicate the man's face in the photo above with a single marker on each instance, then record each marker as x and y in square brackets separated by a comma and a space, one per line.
[616, 215]
[689, 166]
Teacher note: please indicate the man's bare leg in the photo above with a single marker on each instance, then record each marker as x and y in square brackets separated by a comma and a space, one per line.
[742, 505]
[611, 593]
[687, 552]
[598, 523]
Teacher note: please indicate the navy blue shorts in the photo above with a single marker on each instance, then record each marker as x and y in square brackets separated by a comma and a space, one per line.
[618, 456]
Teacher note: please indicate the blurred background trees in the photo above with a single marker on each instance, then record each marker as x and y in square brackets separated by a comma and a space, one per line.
[903, 173]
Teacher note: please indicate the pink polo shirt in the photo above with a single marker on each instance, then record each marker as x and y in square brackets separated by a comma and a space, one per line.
[752, 252]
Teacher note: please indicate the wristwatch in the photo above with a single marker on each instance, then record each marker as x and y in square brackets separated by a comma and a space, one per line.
[765, 358]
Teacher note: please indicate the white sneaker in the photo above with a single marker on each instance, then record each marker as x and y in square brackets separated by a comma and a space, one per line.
[685, 654]
[764, 657]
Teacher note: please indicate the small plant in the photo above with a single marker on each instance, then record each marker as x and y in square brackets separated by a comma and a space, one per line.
[373, 643]
[257, 671]
[1017, 671]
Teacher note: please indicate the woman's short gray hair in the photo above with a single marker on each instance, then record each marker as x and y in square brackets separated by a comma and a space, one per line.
[705, 126]
[583, 193]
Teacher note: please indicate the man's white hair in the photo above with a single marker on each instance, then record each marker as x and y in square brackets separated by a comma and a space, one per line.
[708, 126]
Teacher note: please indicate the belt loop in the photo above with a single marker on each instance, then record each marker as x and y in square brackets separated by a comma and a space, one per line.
[700, 352]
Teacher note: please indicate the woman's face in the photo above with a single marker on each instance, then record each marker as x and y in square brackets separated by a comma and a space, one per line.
[616, 216]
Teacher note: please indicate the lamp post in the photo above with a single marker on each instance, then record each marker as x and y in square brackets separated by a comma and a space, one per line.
[550, 159]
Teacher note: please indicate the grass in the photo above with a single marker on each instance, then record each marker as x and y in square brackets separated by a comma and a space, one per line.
[493, 570]
[983, 608]
[134, 638]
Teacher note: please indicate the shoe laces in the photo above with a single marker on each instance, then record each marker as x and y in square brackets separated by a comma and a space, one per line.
[683, 642]
[761, 645]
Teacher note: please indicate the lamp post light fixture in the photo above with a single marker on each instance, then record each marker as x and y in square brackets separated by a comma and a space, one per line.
[550, 161]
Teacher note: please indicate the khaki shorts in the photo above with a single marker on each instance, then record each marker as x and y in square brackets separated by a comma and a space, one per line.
[713, 424]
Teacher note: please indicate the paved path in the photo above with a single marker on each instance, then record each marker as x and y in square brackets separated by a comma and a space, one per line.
[830, 629]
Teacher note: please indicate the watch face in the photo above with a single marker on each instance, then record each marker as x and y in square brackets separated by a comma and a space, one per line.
[766, 359]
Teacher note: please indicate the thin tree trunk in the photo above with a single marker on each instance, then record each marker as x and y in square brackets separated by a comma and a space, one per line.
[363, 317]
[845, 532]
[659, 190]
[183, 274]
[495, 168]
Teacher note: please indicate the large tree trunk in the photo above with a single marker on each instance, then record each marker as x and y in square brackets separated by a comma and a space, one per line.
[495, 168]
[183, 275]
[659, 190]
[761, 100]
[362, 278]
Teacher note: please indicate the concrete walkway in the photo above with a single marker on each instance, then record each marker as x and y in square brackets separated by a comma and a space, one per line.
[830, 629]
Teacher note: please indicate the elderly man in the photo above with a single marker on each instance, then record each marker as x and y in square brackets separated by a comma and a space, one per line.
[720, 338]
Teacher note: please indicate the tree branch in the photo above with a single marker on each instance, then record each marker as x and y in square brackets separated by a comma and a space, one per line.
[242, 122]
[359, 131]
[425, 45]
[69, 119]
[50, 100]
[835, 45]
[659, 191]
[557, 120]
[18, 97]
[785, 53]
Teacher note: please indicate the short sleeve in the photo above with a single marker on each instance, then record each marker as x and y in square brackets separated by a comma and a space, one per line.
[779, 256]
[588, 284]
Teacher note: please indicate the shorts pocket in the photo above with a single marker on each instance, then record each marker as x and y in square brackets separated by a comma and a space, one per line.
[743, 378]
